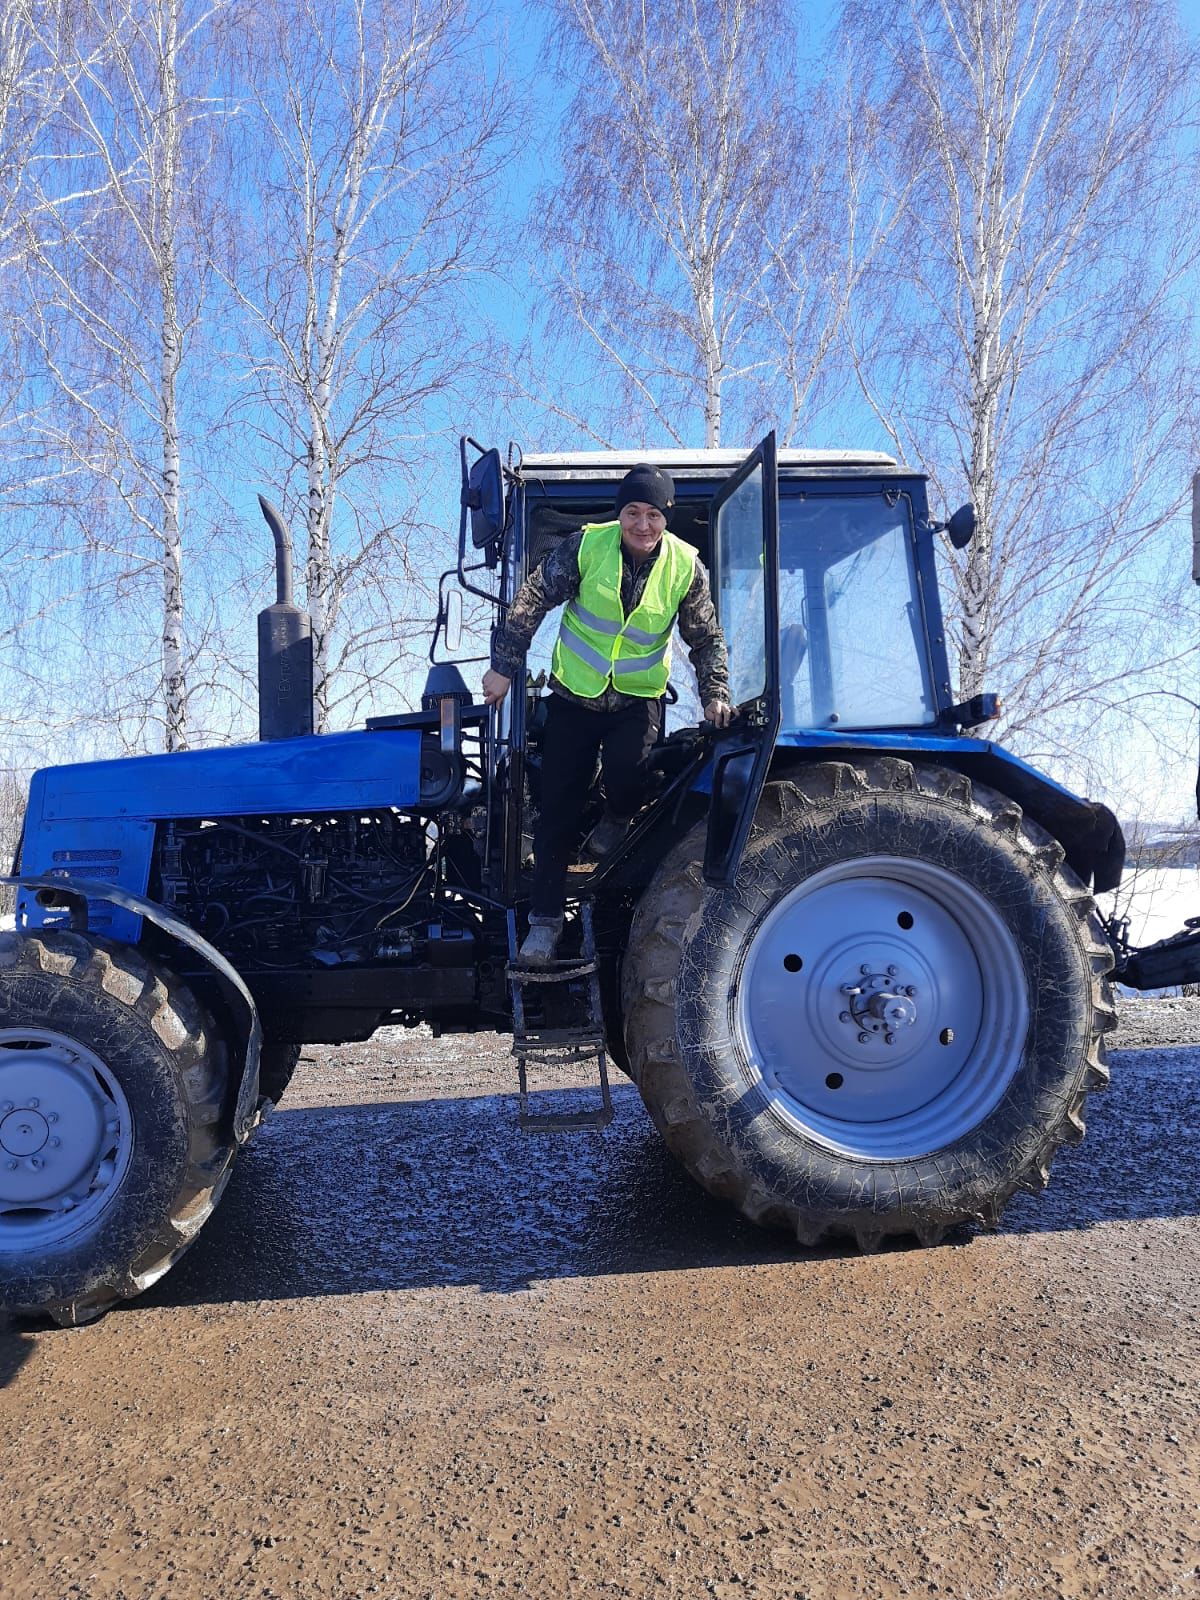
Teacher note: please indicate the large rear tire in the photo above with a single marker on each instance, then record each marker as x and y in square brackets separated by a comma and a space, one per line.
[112, 1154]
[892, 1019]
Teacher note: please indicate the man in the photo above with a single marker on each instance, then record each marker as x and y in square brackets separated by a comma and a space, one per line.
[624, 584]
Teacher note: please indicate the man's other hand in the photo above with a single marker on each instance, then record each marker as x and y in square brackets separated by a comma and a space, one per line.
[716, 712]
[495, 686]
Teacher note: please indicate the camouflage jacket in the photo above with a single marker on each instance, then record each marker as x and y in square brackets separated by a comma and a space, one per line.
[556, 580]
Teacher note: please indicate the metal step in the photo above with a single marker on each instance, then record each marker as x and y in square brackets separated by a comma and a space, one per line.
[556, 972]
[559, 1047]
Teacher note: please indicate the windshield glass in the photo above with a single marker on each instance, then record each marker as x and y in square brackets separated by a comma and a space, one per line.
[852, 652]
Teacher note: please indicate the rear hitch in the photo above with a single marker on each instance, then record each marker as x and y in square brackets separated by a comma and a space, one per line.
[1156, 966]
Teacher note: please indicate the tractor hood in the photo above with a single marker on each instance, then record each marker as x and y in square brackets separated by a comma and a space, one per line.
[97, 819]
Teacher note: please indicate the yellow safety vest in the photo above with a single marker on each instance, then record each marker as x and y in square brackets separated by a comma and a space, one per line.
[597, 644]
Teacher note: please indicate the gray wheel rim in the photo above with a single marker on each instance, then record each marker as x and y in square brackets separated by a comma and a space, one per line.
[66, 1137]
[882, 1008]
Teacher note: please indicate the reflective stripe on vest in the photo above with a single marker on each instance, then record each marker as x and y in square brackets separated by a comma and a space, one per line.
[597, 645]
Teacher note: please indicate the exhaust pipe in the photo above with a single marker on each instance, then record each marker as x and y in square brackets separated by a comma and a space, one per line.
[285, 659]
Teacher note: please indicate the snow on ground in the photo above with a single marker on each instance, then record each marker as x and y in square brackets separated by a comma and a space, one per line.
[1157, 900]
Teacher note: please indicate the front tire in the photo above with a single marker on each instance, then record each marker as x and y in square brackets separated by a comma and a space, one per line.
[892, 1019]
[277, 1065]
[112, 1154]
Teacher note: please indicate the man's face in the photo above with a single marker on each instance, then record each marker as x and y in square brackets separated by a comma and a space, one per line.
[641, 527]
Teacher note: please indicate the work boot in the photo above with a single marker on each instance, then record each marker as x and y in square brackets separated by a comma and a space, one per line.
[607, 835]
[541, 941]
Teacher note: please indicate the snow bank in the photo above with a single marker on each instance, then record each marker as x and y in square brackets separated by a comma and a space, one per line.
[1156, 900]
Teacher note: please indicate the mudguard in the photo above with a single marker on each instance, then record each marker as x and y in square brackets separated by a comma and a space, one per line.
[73, 895]
[1088, 831]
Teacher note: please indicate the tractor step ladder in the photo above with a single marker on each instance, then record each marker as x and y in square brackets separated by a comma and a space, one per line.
[559, 1047]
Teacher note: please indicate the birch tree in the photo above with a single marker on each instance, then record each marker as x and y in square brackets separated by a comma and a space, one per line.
[696, 232]
[1026, 336]
[374, 134]
[118, 289]
[34, 81]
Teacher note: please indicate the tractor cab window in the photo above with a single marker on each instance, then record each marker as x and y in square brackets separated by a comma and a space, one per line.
[852, 645]
[739, 587]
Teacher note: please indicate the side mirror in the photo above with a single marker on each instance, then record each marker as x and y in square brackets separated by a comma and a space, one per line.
[452, 621]
[483, 495]
[961, 527]
[1196, 528]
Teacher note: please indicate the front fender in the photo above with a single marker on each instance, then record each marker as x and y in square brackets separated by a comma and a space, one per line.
[73, 894]
[1088, 831]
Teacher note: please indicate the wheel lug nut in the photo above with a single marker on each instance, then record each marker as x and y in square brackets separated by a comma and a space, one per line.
[845, 1017]
[52, 1116]
[33, 1104]
[865, 969]
[891, 972]
[36, 1163]
[910, 991]
[12, 1166]
[864, 1038]
[889, 1038]
[54, 1143]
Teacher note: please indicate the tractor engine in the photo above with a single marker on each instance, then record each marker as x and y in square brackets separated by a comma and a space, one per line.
[286, 892]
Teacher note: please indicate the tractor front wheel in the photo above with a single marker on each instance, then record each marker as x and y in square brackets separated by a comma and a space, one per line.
[112, 1154]
[891, 1020]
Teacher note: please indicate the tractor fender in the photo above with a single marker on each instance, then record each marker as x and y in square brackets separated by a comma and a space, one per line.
[73, 895]
[1089, 833]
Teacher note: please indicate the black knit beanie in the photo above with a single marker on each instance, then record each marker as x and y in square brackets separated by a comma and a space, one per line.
[648, 484]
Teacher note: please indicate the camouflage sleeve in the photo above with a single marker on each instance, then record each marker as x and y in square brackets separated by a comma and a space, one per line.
[553, 582]
[701, 632]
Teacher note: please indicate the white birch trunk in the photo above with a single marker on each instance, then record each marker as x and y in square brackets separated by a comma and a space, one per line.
[711, 352]
[317, 562]
[173, 666]
[322, 467]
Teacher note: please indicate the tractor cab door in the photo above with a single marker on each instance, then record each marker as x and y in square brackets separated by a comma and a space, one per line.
[744, 518]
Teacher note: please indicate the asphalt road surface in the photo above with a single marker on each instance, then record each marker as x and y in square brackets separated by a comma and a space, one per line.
[417, 1355]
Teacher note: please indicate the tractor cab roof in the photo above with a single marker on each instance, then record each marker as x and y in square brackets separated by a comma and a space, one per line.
[573, 487]
[583, 464]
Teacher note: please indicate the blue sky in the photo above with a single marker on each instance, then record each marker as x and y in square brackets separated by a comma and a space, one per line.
[508, 307]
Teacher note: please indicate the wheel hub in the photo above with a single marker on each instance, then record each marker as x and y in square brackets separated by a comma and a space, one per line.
[64, 1129]
[23, 1133]
[880, 1003]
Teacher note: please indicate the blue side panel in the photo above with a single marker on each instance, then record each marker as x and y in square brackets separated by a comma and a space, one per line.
[117, 851]
[96, 819]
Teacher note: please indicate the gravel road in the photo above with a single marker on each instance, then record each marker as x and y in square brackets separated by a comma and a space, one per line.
[414, 1355]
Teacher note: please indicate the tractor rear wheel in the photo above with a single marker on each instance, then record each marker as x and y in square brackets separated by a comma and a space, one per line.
[112, 1154]
[892, 1019]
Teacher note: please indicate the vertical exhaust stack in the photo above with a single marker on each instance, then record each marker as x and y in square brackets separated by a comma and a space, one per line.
[285, 659]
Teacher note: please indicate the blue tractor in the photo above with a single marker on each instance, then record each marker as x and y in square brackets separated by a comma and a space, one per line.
[848, 952]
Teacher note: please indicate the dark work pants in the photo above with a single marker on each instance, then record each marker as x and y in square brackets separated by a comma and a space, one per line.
[570, 741]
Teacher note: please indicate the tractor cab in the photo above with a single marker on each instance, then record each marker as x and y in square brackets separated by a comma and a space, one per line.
[821, 566]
